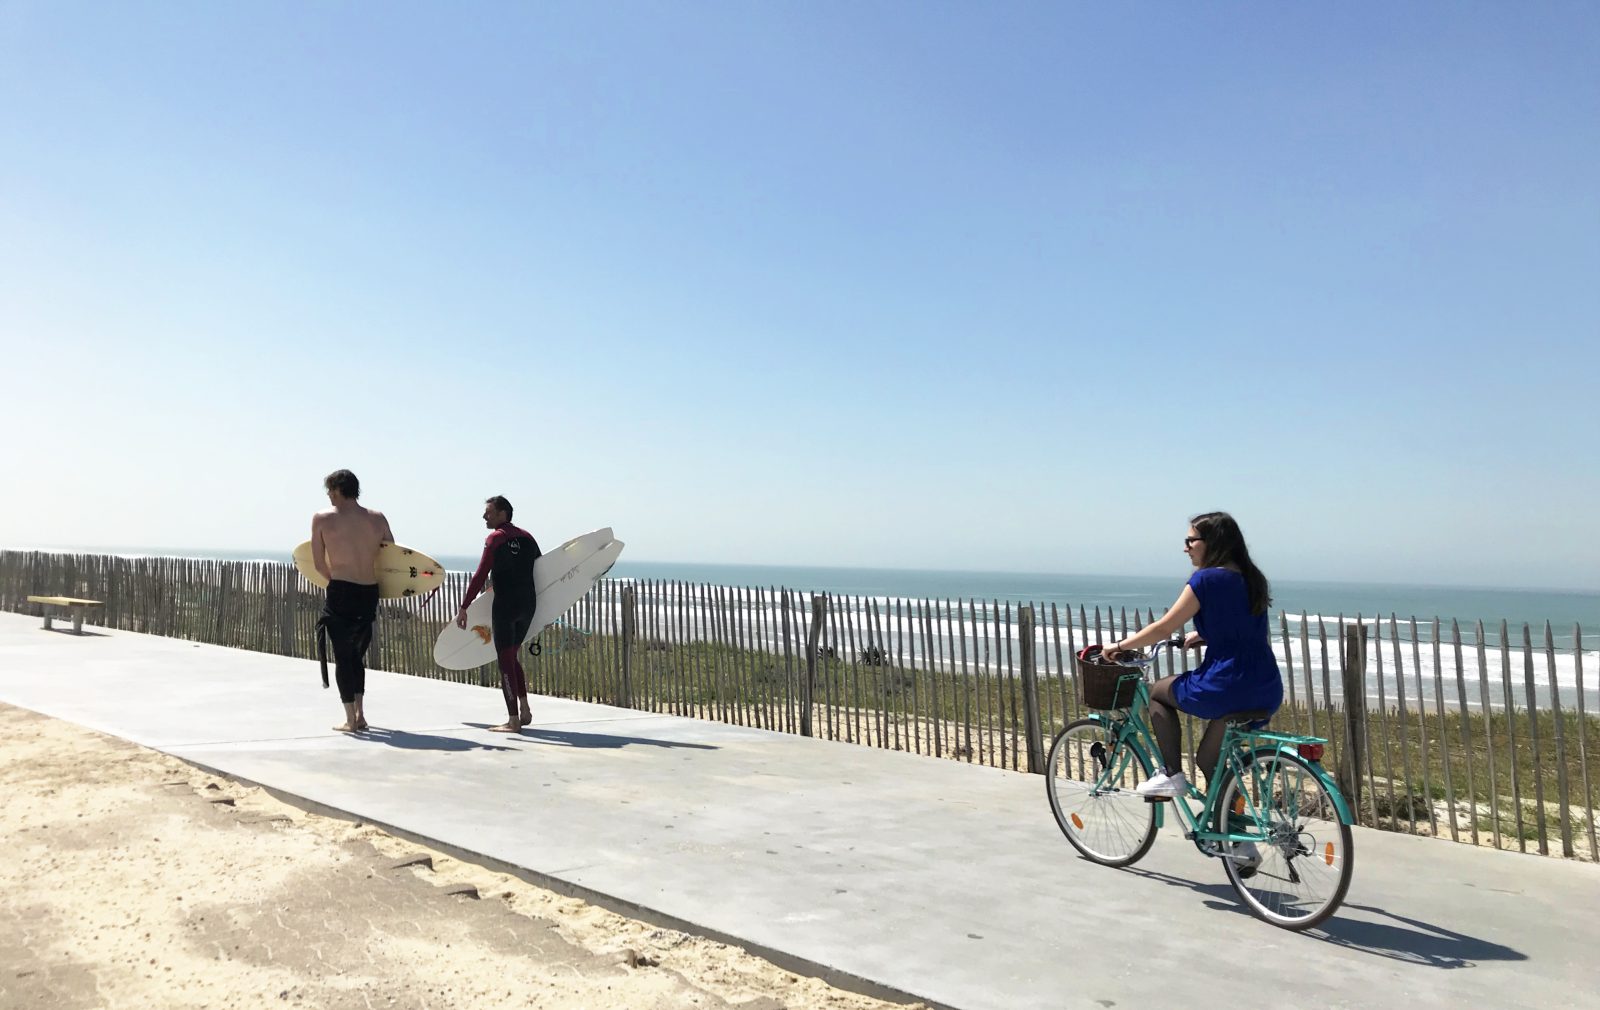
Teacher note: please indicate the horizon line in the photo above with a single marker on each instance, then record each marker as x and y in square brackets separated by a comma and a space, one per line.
[274, 556]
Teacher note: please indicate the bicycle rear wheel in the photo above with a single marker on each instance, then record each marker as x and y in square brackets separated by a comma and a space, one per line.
[1307, 857]
[1089, 777]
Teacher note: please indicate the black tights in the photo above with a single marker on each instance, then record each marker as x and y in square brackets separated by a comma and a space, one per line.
[1169, 731]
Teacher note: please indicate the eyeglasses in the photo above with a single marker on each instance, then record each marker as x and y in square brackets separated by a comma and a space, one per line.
[1189, 542]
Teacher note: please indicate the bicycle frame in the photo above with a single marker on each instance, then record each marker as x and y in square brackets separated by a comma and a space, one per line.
[1132, 730]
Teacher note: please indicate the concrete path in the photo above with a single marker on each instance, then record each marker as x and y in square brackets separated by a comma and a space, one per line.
[885, 872]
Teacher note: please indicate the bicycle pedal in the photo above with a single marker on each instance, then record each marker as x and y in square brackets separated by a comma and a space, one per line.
[1158, 799]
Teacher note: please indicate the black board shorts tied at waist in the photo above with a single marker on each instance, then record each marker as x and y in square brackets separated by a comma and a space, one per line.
[347, 616]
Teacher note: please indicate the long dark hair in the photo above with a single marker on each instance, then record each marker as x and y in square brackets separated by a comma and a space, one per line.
[1225, 549]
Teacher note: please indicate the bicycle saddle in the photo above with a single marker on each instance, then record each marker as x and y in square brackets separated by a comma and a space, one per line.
[1255, 719]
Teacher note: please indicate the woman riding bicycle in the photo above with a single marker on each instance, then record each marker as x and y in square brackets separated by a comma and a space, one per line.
[1227, 598]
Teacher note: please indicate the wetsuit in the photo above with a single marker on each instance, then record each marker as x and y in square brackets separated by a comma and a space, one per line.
[347, 617]
[508, 555]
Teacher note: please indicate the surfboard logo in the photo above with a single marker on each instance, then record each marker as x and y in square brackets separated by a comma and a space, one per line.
[483, 632]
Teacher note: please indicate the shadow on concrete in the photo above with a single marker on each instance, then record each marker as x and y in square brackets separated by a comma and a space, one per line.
[424, 741]
[85, 633]
[602, 741]
[1411, 940]
[1400, 939]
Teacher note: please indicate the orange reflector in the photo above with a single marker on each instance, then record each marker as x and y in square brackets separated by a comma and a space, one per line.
[1327, 853]
[1238, 805]
[1077, 822]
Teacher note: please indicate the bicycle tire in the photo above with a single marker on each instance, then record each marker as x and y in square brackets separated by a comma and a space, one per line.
[1112, 827]
[1308, 857]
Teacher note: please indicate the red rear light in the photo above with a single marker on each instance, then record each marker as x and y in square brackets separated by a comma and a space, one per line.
[1311, 751]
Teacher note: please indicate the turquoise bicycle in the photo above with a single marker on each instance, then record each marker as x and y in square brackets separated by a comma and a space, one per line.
[1271, 812]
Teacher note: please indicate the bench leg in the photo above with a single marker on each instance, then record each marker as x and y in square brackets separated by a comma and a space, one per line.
[47, 620]
[77, 620]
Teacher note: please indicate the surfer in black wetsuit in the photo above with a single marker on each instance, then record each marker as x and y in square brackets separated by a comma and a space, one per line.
[507, 562]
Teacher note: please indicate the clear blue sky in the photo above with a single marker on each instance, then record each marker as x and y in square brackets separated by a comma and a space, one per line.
[943, 285]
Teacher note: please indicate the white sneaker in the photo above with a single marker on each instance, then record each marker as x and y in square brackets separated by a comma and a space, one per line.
[1163, 786]
[1246, 859]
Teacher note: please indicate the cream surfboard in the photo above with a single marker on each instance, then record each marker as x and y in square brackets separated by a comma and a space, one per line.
[560, 578]
[401, 571]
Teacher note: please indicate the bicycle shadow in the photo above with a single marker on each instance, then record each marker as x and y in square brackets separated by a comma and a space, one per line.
[597, 741]
[1400, 939]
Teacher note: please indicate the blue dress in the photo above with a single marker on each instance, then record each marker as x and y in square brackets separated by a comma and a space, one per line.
[1239, 672]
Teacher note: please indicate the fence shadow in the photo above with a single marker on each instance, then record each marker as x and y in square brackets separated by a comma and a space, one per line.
[598, 741]
[1399, 939]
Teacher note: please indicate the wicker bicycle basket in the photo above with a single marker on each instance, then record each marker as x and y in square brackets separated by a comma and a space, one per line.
[1107, 685]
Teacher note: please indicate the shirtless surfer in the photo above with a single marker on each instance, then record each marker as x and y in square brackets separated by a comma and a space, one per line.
[344, 547]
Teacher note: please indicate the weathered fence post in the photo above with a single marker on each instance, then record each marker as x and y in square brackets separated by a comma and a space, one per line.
[375, 647]
[819, 611]
[112, 617]
[1355, 714]
[1030, 691]
[287, 617]
[1533, 742]
[629, 625]
[220, 636]
[1563, 787]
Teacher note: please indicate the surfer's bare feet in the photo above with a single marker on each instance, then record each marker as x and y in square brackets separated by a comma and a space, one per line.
[525, 718]
[345, 727]
[510, 727]
[361, 726]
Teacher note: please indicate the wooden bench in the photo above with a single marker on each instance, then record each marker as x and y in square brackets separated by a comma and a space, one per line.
[74, 606]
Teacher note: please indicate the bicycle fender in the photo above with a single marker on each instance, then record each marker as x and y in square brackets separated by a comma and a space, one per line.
[1340, 805]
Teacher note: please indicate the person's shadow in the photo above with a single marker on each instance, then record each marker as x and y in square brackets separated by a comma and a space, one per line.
[1422, 943]
[1400, 939]
[599, 741]
[406, 740]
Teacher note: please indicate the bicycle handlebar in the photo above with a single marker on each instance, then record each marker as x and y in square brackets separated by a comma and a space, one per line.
[1135, 661]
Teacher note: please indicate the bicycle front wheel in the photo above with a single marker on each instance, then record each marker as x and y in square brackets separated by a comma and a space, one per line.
[1090, 776]
[1306, 859]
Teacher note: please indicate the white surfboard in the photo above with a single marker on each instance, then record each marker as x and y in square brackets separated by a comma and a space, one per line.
[560, 577]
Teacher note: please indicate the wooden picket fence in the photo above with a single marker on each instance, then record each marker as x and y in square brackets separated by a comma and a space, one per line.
[1431, 730]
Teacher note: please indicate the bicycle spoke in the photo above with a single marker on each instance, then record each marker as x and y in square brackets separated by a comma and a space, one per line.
[1305, 852]
[1090, 779]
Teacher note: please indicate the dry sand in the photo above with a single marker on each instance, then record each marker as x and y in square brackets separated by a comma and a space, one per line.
[131, 879]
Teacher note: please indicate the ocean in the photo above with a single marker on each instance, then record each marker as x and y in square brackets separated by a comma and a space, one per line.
[1329, 600]
[1319, 608]
[1562, 608]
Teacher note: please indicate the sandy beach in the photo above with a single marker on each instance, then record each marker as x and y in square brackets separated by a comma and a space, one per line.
[133, 879]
